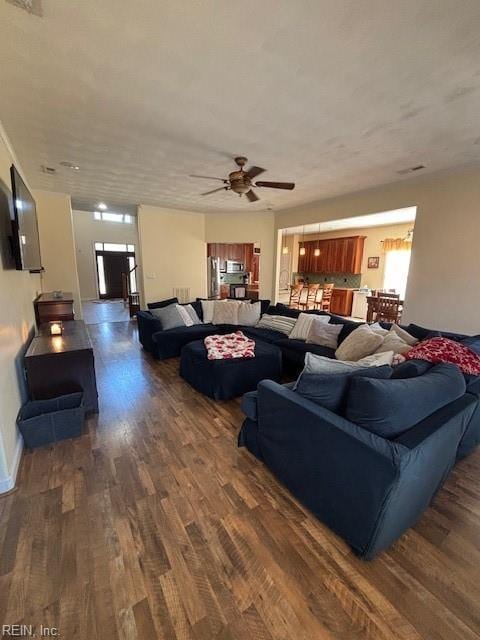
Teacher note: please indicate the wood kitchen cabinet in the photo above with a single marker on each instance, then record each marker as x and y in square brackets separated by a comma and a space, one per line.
[337, 255]
[341, 302]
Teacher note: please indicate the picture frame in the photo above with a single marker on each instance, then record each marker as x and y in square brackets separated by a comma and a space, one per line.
[373, 262]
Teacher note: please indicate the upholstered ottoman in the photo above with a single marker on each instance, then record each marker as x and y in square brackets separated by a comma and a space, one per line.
[225, 379]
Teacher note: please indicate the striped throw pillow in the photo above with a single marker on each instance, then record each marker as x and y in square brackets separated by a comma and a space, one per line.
[277, 323]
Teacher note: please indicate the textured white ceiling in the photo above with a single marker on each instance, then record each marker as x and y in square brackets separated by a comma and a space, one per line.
[334, 95]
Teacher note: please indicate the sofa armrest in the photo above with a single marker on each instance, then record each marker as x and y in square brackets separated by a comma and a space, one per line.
[342, 473]
[147, 326]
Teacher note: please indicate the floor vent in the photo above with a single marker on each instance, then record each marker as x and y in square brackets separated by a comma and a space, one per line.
[182, 293]
[30, 6]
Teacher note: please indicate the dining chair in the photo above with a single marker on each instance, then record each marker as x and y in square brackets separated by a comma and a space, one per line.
[326, 299]
[295, 293]
[308, 301]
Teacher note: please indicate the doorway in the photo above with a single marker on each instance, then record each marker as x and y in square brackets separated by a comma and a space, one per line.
[114, 269]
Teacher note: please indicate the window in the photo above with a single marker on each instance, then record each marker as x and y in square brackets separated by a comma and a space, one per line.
[108, 216]
[102, 287]
[114, 246]
[397, 263]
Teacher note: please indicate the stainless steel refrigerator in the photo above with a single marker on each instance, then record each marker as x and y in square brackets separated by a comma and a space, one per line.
[213, 277]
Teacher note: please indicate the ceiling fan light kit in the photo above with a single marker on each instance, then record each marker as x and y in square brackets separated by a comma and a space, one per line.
[241, 181]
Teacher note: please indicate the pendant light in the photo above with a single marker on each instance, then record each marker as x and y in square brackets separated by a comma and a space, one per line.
[302, 248]
[284, 244]
[316, 253]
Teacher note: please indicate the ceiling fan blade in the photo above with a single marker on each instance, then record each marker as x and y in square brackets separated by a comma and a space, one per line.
[207, 177]
[276, 185]
[214, 191]
[252, 196]
[253, 172]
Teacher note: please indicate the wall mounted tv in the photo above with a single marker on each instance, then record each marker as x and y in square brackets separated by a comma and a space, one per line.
[26, 243]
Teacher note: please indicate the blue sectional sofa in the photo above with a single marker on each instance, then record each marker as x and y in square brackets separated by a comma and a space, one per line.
[366, 488]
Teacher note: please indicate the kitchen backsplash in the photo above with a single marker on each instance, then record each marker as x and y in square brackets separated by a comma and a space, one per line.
[346, 280]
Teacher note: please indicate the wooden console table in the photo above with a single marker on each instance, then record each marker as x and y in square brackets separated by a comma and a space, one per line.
[48, 308]
[57, 365]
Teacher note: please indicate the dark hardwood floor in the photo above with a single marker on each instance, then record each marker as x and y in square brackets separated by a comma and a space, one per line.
[154, 525]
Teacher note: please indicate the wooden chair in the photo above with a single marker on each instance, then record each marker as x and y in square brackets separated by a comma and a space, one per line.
[324, 303]
[295, 293]
[384, 308]
[309, 301]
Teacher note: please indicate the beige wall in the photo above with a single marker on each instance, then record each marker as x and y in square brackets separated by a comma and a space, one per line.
[87, 232]
[252, 227]
[55, 225]
[173, 252]
[17, 291]
[373, 278]
[443, 284]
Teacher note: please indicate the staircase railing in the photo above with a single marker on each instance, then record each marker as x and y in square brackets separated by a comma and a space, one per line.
[133, 297]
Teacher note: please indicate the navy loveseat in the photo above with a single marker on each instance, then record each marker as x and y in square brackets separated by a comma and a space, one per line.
[367, 488]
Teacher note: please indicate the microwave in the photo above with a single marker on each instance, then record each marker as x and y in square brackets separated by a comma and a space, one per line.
[235, 267]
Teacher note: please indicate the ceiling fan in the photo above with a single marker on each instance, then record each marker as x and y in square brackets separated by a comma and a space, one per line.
[241, 181]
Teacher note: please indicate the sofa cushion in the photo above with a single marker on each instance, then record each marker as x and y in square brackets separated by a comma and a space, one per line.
[390, 407]
[472, 342]
[347, 326]
[404, 335]
[277, 323]
[329, 391]
[262, 333]
[249, 404]
[162, 303]
[393, 342]
[170, 316]
[207, 310]
[422, 333]
[411, 369]
[360, 343]
[323, 333]
[168, 344]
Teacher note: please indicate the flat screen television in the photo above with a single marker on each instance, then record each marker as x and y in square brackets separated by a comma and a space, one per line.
[26, 243]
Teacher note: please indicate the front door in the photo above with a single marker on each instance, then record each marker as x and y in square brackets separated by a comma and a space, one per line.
[114, 265]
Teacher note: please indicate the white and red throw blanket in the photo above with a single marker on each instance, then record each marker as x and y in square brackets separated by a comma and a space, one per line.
[445, 350]
[231, 345]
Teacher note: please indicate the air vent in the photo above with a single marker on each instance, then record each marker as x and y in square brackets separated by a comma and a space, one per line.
[418, 167]
[30, 6]
[49, 170]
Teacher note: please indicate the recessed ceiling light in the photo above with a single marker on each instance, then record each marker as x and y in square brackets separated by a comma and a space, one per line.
[70, 165]
[102, 206]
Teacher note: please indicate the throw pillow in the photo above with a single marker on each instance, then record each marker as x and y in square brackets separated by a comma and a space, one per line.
[404, 335]
[390, 407]
[324, 365]
[249, 313]
[393, 342]
[360, 343]
[192, 314]
[207, 310]
[303, 324]
[277, 323]
[377, 328]
[225, 311]
[445, 350]
[187, 319]
[329, 391]
[323, 333]
[169, 317]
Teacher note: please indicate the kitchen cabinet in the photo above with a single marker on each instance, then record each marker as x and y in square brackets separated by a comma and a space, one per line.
[337, 255]
[341, 302]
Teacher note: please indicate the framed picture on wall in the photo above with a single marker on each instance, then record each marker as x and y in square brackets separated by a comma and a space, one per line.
[373, 262]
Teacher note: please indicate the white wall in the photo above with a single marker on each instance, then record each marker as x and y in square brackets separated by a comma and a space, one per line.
[247, 227]
[443, 283]
[173, 252]
[87, 232]
[55, 225]
[17, 291]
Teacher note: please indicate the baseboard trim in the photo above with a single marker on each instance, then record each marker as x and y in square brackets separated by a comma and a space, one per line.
[8, 483]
